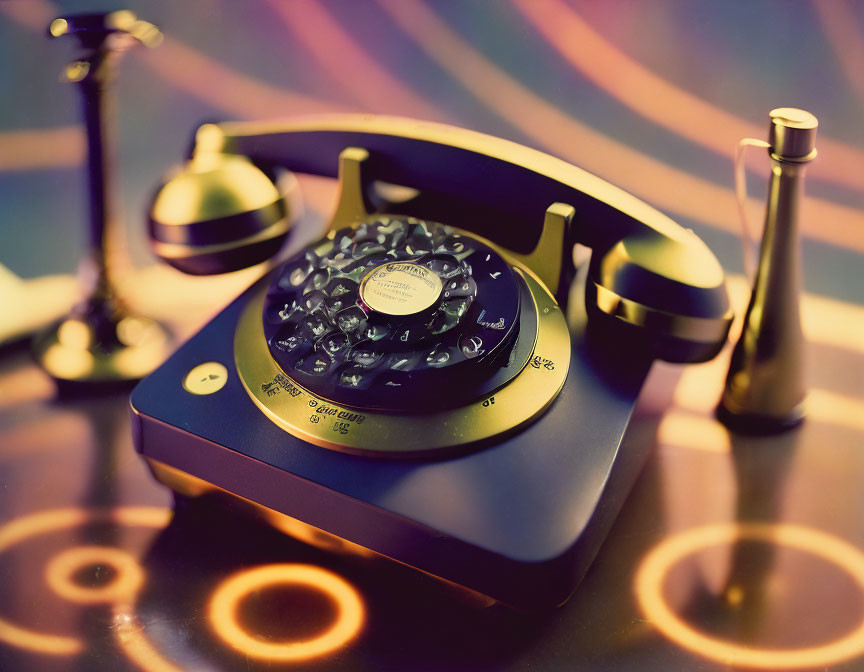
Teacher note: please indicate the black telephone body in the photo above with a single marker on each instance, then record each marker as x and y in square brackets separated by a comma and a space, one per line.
[409, 384]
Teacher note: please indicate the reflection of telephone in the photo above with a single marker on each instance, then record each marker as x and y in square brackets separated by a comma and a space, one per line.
[426, 328]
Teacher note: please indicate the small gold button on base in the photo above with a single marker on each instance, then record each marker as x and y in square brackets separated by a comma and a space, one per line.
[206, 378]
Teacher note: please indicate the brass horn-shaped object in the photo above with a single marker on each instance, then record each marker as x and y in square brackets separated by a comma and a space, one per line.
[766, 385]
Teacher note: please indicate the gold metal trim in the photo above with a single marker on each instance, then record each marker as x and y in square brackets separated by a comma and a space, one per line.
[321, 422]
[701, 329]
[546, 257]
[183, 251]
[789, 159]
[352, 204]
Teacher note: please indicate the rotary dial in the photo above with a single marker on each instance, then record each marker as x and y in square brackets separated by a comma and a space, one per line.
[393, 313]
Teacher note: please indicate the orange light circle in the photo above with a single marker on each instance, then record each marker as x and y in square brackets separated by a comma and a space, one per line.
[36, 524]
[124, 586]
[656, 565]
[227, 597]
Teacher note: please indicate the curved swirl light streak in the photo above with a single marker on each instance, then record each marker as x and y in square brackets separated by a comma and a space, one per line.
[671, 107]
[656, 565]
[188, 69]
[349, 64]
[197, 74]
[34, 14]
[693, 432]
[656, 182]
[839, 22]
[40, 149]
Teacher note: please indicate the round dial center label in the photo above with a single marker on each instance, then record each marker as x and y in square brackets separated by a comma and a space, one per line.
[400, 288]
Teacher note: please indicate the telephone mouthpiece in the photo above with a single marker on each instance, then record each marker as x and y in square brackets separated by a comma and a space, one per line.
[670, 290]
[220, 213]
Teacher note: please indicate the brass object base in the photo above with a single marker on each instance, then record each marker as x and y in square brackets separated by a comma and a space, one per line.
[759, 425]
[99, 342]
[767, 382]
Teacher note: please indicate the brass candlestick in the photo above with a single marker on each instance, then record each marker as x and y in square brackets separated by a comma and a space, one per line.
[99, 342]
[766, 386]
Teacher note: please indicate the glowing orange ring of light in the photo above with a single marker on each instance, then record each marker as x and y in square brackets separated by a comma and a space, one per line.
[656, 566]
[227, 597]
[124, 586]
[43, 522]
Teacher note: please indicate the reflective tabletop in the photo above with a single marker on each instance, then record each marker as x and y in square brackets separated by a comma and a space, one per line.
[731, 551]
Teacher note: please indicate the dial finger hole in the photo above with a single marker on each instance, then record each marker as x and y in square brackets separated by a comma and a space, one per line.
[355, 377]
[442, 322]
[368, 247]
[295, 275]
[313, 301]
[281, 312]
[290, 340]
[444, 266]
[375, 332]
[335, 305]
[318, 280]
[339, 265]
[365, 356]
[455, 307]
[467, 288]
[403, 361]
[437, 357]
[316, 364]
[351, 320]
[471, 345]
[332, 343]
[339, 286]
[314, 326]
[451, 244]
[418, 245]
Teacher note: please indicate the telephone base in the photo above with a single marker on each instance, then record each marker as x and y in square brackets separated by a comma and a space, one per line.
[518, 520]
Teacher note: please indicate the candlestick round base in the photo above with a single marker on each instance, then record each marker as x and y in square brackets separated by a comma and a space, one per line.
[100, 342]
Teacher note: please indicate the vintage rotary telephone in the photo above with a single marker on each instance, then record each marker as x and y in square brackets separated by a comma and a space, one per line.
[409, 383]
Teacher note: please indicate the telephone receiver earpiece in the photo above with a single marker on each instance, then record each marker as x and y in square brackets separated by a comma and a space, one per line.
[650, 282]
[220, 213]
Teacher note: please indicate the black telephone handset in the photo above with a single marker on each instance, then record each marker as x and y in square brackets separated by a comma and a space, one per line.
[427, 328]
[647, 272]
